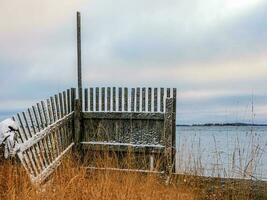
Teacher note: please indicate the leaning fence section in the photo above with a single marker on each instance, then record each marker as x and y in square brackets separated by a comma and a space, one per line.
[45, 134]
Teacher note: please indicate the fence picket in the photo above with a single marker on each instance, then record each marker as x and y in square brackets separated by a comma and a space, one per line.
[103, 99]
[125, 99]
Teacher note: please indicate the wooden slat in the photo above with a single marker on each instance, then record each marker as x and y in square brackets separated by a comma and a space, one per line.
[126, 99]
[168, 92]
[149, 95]
[35, 118]
[120, 99]
[97, 99]
[61, 105]
[45, 113]
[57, 107]
[155, 99]
[138, 99]
[53, 107]
[132, 99]
[143, 99]
[86, 99]
[114, 97]
[91, 99]
[161, 99]
[103, 99]
[123, 115]
[50, 113]
[69, 100]
[73, 97]
[65, 111]
[108, 98]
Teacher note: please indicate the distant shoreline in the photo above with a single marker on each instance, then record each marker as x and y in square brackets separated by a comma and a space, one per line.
[222, 124]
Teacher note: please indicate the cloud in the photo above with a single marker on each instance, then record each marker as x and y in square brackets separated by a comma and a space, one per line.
[213, 52]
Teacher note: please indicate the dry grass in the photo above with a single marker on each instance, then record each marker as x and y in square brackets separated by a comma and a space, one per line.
[70, 181]
[73, 182]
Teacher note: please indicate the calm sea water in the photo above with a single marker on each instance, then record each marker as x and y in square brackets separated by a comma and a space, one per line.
[225, 151]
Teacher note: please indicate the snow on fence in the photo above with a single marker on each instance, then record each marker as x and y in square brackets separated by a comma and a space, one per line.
[142, 121]
[45, 134]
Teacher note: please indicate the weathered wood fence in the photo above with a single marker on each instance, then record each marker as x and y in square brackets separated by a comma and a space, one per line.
[111, 119]
[46, 134]
[139, 120]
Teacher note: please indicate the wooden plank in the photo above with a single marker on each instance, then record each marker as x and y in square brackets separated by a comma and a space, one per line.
[61, 105]
[155, 99]
[123, 115]
[168, 92]
[120, 99]
[168, 123]
[126, 99]
[103, 99]
[65, 111]
[161, 99]
[50, 113]
[91, 99]
[138, 99]
[73, 97]
[132, 99]
[44, 111]
[35, 118]
[97, 99]
[114, 97]
[143, 99]
[31, 120]
[149, 95]
[57, 107]
[54, 109]
[68, 101]
[86, 99]
[108, 98]
[122, 147]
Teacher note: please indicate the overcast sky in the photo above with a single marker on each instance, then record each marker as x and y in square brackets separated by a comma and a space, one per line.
[213, 51]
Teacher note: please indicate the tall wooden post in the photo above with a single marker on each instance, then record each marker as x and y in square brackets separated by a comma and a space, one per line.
[79, 60]
[78, 120]
[168, 134]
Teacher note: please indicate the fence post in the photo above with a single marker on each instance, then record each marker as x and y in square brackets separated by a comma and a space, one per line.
[77, 123]
[168, 135]
[79, 60]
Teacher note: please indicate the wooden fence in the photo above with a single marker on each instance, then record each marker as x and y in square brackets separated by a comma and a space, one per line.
[140, 120]
[46, 134]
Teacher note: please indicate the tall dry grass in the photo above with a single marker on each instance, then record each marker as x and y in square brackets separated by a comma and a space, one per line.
[71, 181]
